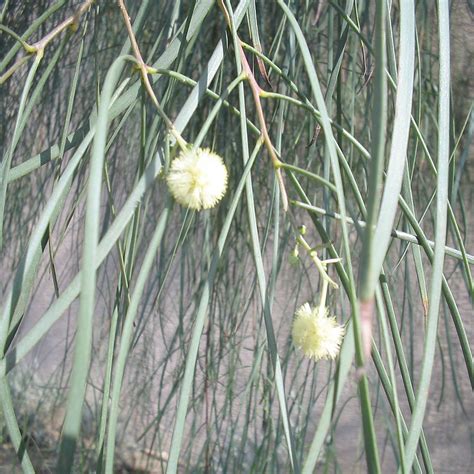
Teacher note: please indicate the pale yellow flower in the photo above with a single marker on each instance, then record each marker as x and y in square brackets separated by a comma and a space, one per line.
[197, 179]
[317, 335]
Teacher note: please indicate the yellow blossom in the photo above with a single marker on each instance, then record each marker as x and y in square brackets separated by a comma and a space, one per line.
[316, 334]
[197, 179]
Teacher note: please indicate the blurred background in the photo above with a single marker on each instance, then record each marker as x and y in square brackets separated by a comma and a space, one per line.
[234, 419]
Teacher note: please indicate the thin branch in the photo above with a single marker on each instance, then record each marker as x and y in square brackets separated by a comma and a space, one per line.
[257, 93]
[40, 45]
[72, 22]
[145, 70]
[413, 239]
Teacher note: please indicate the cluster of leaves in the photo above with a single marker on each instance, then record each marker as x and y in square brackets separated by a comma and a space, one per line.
[336, 115]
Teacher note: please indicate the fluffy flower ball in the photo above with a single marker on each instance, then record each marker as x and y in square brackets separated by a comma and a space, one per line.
[197, 179]
[317, 336]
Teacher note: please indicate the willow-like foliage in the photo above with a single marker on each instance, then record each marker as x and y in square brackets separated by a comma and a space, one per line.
[141, 333]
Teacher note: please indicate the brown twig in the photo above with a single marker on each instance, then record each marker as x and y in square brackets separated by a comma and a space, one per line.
[145, 70]
[40, 45]
[257, 93]
[71, 21]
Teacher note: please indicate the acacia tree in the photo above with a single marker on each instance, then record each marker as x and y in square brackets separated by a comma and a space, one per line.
[240, 216]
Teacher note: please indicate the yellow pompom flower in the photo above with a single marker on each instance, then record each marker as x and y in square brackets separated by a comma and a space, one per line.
[197, 179]
[316, 334]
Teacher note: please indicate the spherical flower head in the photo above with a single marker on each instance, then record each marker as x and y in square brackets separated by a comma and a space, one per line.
[317, 335]
[197, 179]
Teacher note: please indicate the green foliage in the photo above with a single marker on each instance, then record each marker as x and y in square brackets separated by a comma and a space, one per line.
[160, 336]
